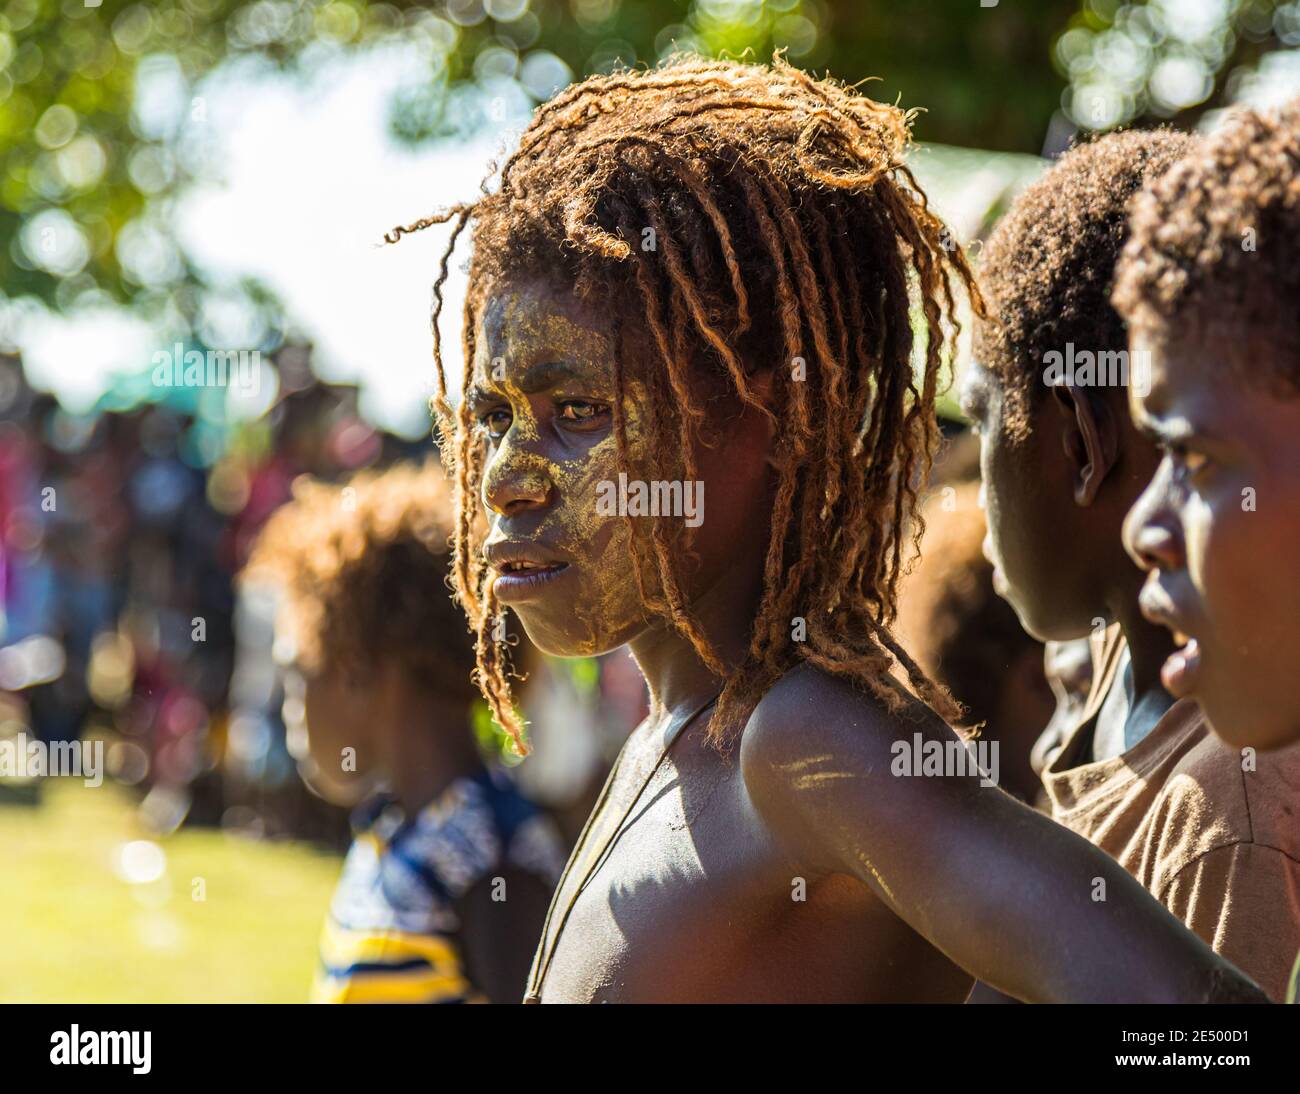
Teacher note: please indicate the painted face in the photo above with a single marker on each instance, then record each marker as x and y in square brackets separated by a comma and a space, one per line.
[1022, 540]
[1217, 530]
[542, 394]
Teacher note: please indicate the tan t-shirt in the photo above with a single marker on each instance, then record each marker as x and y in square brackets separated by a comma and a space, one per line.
[1216, 842]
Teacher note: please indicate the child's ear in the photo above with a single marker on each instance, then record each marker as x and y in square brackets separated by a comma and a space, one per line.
[1090, 438]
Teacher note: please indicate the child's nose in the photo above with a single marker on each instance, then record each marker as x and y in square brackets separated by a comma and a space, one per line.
[512, 485]
[1151, 534]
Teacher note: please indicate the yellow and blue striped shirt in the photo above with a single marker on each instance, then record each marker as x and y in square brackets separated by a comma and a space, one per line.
[391, 933]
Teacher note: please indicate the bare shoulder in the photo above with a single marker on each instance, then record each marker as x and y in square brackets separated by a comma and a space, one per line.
[811, 720]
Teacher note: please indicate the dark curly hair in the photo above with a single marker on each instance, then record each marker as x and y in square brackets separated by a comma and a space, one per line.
[1215, 245]
[363, 566]
[787, 226]
[1049, 265]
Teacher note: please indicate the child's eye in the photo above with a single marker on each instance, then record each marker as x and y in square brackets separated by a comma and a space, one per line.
[495, 423]
[1187, 461]
[581, 411]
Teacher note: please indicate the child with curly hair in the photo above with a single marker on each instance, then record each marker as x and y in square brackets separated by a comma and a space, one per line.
[446, 882]
[1141, 774]
[1210, 287]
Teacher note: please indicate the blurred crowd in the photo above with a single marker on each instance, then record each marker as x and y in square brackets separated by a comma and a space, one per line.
[121, 533]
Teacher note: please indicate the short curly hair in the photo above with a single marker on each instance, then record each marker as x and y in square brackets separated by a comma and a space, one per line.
[1049, 265]
[1214, 245]
[363, 567]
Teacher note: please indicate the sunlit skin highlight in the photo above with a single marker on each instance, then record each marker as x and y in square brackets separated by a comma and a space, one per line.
[1217, 530]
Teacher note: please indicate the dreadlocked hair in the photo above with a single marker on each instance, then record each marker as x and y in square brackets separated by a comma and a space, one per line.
[786, 236]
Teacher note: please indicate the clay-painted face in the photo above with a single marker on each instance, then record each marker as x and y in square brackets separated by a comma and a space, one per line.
[543, 393]
[1217, 531]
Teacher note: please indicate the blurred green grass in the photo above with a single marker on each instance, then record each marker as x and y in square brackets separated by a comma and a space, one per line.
[73, 930]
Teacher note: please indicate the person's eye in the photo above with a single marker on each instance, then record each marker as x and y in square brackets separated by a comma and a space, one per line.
[495, 423]
[582, 412]
[1187, 461]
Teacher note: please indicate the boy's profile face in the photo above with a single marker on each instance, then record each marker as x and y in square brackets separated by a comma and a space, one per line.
[1024, 515]
[1218, 530]
[542, 393]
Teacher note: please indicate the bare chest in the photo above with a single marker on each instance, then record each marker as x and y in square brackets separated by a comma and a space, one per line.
[694, 900]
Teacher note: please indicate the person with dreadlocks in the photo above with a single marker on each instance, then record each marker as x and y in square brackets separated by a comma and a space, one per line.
[697, 278]
[450, 867]
[1140, 772]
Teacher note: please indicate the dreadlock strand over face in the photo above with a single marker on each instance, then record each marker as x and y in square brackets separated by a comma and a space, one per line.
[789, 238]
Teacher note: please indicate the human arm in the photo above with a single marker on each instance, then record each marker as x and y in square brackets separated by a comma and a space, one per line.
[1012, 897]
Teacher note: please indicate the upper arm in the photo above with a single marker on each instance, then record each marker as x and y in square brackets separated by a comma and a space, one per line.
[1014, 898]
[820, 761]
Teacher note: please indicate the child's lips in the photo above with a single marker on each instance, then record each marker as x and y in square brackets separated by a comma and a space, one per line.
[1000, 585]
[519, 581]
[1181, 669]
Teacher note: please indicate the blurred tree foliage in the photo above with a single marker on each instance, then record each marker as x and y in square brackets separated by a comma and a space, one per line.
[1162, 60]
[97, 96]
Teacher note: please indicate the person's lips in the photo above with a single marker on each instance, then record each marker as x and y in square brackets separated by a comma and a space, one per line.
[1181, 669]
[522, 568]
[1000, 585]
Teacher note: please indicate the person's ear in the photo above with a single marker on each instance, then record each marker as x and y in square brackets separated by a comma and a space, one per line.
[1090, 438]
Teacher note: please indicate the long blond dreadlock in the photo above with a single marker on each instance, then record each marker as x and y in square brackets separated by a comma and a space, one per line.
[783, 216]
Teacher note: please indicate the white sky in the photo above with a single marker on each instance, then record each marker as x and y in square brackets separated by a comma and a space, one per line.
[310, 183]
[313, 181]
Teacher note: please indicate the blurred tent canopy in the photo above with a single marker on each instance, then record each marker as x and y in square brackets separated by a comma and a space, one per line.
[102, 108]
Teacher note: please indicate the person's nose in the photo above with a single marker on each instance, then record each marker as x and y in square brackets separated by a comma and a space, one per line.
[517, 477]
[1152, 534]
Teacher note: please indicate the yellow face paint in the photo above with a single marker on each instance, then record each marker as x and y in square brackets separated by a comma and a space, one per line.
[542, 355]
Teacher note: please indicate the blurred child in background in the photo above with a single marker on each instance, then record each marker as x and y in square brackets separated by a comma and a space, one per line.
[445, 886]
